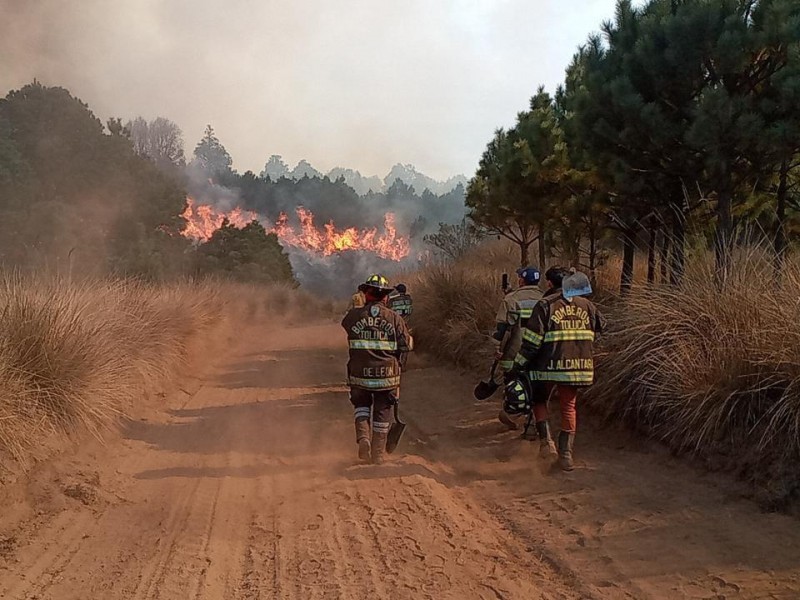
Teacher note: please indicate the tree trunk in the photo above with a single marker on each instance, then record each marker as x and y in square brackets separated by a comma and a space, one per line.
[628, 253]
[542, 251]
[663, 256]
[722, 238]
[678, 258]
[780, 230]
[651, 253]
[593, 257]
[523, 253]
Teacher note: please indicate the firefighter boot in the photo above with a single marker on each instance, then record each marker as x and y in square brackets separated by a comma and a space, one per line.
[362, 439]
[379, 443]
[547, 447]
[565, 441]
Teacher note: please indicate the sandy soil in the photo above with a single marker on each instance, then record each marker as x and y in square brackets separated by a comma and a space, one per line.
[246, 486]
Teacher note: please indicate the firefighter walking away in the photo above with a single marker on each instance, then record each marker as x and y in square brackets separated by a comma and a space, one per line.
[515, 310]
[379, 342]
[557, 351]
[400, 301]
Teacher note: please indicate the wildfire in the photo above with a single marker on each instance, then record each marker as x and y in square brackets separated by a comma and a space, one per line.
[202, 220]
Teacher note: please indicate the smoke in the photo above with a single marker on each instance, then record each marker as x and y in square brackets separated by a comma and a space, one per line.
[340, 274]
[332, 202]
[355, 83]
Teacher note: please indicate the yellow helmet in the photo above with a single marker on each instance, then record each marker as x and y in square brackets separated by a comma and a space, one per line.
[378, 282]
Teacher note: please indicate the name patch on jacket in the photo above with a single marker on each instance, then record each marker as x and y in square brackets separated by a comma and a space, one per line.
[571, 364]
[378, 372]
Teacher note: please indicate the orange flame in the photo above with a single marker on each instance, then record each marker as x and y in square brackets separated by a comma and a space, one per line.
[203, 220]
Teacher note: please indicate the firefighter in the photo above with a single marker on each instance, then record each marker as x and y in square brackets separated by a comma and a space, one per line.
[557, 350]
[400, 301]
[379, 343]
[515, 309]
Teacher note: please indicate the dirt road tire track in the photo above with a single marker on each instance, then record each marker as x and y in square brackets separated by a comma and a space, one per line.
[249, 489]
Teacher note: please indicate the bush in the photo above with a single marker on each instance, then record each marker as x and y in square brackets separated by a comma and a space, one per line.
[455, 304]
[713, 373]
[76, 356]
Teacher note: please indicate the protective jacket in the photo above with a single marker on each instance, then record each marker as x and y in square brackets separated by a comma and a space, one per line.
[401, 304]
[515, 310]
[379, 341]
[557, 341]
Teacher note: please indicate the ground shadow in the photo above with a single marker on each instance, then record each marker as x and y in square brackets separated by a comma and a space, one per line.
[286, 369]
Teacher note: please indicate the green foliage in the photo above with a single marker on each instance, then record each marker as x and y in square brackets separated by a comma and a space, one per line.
[212, 155]
[519, 177]
[75, 195]
[683, 116]
[453, 241]
[246, 254]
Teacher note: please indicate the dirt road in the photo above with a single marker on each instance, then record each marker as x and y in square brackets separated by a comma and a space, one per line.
[247, 488]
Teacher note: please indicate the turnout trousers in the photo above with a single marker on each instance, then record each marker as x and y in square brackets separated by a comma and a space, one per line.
[378, 405]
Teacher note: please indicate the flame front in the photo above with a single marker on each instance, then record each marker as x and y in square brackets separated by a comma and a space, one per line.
[203, 220]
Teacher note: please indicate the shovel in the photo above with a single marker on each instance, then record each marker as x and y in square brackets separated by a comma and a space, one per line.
[395, 431]
[485, 389]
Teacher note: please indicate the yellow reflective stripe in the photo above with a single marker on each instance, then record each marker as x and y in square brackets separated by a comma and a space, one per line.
[520, 360]
[372, 345]
[532, 337]
[564, 376]
[384, 383]
[526, 313]
[506, 365]
[569, 335]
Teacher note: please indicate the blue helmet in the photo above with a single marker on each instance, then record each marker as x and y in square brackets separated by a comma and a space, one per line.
[529, 274]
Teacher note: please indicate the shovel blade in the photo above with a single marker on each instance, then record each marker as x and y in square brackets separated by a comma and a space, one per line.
[485, 389]
[393, 438]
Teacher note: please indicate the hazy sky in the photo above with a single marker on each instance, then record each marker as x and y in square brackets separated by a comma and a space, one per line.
[356, 83]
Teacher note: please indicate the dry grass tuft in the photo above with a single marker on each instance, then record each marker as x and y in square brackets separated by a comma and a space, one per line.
[455, 304]
[716, 374]
[77, 356]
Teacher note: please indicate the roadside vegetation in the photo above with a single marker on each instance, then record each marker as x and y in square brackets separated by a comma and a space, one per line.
[75, 357]
[667, 166]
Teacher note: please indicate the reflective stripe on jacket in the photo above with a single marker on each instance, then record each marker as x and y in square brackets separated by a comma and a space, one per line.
[401, 304]
[514, 312]
[378, 340]
[557, 340]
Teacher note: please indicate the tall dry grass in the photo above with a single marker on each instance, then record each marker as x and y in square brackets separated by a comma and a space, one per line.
[708, 372]
[713, 372]
[77, 356]
[455, 304]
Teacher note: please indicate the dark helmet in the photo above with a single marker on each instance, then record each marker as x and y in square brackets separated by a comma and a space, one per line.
[516, 396]
[401, 287]
[530, 275]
